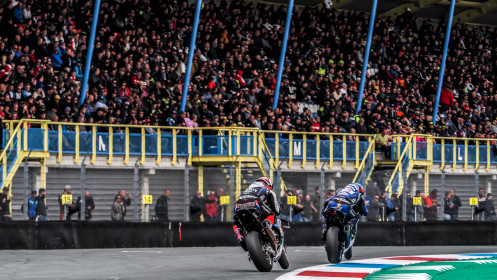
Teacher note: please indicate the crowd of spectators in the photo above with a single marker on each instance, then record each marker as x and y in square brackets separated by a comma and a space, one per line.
[209, 208]
[141, 51]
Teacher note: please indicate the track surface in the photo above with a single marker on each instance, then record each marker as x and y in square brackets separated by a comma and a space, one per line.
[179, 263]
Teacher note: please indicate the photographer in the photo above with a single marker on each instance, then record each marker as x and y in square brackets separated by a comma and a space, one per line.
[89, 205]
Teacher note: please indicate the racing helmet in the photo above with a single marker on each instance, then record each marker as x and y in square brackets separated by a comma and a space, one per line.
[358, 187]
[266, 182]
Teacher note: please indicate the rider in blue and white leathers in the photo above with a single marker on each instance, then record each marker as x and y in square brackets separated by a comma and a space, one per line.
[349, 200]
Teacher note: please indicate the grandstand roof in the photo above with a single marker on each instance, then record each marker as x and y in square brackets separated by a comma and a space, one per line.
[474, 11]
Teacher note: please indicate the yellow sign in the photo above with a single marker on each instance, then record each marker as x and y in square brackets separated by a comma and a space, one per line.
[224, 200]
[473, 201]
[147, 199]
[67, 199]
[416, 200]
[291, 200]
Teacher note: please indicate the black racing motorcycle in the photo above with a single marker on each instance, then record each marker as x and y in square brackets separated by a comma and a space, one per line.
[340, 236]
[264, 245]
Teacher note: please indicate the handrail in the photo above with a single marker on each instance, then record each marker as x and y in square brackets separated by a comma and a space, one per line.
[272, 163]
[11, 140]
[399, 163]
[247, 129]
[462, 144]
[363, 162]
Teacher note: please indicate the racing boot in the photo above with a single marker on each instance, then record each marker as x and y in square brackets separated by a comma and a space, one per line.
[241, 238]
[348, 254]
[324, 230]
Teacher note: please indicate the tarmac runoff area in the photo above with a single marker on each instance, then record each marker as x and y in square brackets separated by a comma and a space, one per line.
[182, 263]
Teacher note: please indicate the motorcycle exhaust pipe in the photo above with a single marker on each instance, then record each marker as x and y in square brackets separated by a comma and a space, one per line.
[268, 227]
[266, 224]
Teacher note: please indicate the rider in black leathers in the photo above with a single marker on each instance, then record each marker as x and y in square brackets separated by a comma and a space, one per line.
[262, 192]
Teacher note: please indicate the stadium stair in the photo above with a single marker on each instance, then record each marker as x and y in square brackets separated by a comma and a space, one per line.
[17, 149]
[367, 166]
[406, 162]
[261, 159]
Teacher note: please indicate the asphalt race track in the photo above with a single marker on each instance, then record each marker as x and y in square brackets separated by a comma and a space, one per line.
[179, 263]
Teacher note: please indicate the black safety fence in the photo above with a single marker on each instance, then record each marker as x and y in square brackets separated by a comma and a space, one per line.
[79, 235]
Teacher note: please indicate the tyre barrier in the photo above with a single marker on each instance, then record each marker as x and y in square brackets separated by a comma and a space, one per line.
[105, 234]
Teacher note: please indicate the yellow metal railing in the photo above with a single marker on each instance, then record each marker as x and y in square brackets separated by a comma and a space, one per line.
[453, 141]
[370, 151]
[341, 137]
[9, 146]
[271, 161]
[234, 135]
[398, 167]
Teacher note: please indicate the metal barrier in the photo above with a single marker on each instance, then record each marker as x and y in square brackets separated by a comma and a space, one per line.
[174, 142]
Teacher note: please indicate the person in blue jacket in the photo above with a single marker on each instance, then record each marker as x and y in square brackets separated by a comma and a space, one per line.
[32, 203]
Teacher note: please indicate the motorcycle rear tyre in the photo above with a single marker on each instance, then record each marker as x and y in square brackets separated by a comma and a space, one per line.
[254, 247]
[333, 249]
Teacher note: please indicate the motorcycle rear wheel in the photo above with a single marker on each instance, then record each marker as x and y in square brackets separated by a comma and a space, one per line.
[262, 262]
[333, 247]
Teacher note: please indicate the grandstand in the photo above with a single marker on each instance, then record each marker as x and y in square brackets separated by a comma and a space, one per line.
[228, 133]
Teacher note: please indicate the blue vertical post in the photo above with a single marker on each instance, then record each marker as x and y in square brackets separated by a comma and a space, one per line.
[367, 50]
[444, 58]
[283, 52]
[190, 55]
[89, 55]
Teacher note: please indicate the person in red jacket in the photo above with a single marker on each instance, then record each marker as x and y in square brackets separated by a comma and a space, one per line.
[447, 95]
[211, 212]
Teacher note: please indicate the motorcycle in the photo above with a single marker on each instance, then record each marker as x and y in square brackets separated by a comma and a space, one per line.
[264, 245]
[340, 236]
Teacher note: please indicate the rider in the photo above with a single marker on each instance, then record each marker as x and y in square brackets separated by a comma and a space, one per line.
[350, 200]
[262, 191]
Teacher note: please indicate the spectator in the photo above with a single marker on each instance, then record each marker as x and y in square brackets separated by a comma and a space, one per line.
[480, 209]
[118, 209]
[375, 207]
[410, 209]
[125, 201]
[66, 210]
[454, 204]
[89, 205]
[285, 210]
[329, 193]
[161, 207]
[372, 189]
[297, 209]
[307, 210]
[315, 205]
[387, 206]
[32, 204]
[396, 215]
[220, 208]
[431, 206]
[384, 142]
[5, 199]
[197, 207]
[41, 207]
[211, 214]
[448, 205]
[489, 208]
